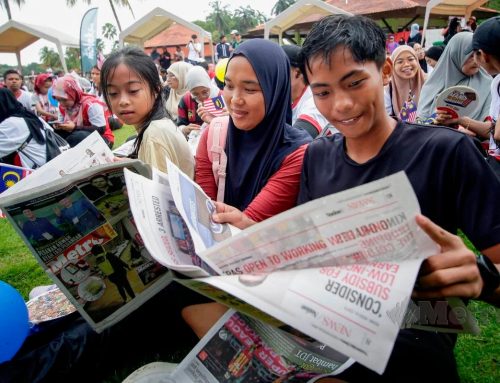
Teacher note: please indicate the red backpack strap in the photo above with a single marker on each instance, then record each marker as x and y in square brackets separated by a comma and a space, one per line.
[216, 142]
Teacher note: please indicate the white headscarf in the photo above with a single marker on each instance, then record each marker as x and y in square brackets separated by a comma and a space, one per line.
[448, 72]
[198, 76]
[179, 70]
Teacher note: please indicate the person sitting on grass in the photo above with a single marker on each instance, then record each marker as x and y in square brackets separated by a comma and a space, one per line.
[345, 63]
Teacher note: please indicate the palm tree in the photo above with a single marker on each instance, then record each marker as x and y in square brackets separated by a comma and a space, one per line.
[247, 17]
[281, 5]
[49, 57]
[109, 31]
[5, 5]
[220, 16]
[122, 3]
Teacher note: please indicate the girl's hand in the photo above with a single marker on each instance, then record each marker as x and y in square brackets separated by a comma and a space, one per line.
[204, 114]
[466, 131]
[68, 126]
[188, 128]
[229, 214]
[443, 118]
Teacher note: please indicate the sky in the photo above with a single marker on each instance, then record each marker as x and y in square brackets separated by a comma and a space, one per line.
[60, 17]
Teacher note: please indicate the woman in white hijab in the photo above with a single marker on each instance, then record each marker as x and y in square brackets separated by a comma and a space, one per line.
[202, 103]
[176, 80]
[457, 66]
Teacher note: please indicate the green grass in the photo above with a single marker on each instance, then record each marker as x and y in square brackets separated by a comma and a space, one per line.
[122, 134]
[478, 357]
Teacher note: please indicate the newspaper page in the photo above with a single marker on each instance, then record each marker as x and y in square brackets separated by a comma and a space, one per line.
[240, 349]
[161, 226]
[81, 231]
[362, 248]
[197, 208]
[92, 151]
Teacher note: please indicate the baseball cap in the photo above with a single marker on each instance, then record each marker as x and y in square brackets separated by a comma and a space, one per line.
[234, 32]
[293, 54]
[487, 37]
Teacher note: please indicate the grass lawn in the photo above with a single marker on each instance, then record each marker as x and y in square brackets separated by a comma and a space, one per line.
[478, 357]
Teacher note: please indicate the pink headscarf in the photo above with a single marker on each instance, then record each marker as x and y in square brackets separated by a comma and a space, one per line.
[40, 80]
[401, 88]
[67, 87]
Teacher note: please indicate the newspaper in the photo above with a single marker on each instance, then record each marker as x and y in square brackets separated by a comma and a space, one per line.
[92, 151]
[80, 229]
[238, 348]
[339, 269]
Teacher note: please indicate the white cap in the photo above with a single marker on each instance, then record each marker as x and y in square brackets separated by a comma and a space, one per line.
[234, 31]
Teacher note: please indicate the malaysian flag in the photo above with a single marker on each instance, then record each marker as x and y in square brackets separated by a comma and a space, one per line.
[10, 175]
[100, 59]
[408, 112]
[215, 106]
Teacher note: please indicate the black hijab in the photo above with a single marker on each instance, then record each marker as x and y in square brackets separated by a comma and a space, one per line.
[255, 155]
[10, 107]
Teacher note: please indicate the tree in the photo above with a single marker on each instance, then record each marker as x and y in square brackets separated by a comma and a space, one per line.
[109, 31]
[72, 57]
[49, 57]
[247, 17]
[99, 44]
[281, 5]
[220, 17]
[5, 5]
[122, 3]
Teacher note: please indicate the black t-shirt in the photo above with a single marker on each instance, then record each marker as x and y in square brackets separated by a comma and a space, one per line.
[454, 186]
[455, 189]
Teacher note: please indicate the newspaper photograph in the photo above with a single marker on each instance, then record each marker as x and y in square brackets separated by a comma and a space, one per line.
[235, 351]
[197, 209]
[81, 231]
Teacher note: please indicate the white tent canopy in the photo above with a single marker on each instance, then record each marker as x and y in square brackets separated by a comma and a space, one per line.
[451, 8]
[155, 22]
[297, 12]
[15, 36]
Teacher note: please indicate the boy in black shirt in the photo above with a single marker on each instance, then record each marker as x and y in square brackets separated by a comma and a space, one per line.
[344, 62]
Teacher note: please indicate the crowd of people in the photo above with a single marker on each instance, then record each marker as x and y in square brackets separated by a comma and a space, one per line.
[348, 107]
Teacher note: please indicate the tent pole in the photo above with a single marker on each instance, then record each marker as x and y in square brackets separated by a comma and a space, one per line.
[61, 57]
[19, 65]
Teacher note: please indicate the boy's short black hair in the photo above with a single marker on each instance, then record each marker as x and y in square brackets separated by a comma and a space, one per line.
[11, 71]
[361, 35]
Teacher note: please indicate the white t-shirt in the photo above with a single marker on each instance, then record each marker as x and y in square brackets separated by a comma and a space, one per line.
[13, 133]
[494, 150]
[305, 109]
[194, 51]
[26, 99]
[96, 116]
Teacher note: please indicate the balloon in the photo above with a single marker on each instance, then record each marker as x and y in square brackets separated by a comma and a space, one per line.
[14, 322]
[220, 69]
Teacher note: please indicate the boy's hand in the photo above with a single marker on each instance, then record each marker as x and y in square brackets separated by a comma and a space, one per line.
[229, 214]
[453, 272]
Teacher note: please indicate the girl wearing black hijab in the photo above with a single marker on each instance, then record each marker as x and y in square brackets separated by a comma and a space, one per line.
[16, 124]
[264, 152]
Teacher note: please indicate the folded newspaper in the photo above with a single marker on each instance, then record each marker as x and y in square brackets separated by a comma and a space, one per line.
[73, 214]
[320, 284]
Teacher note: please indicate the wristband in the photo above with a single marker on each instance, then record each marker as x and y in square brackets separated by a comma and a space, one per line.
[489, 275]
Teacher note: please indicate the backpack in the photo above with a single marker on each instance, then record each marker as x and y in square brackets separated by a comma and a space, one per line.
[54, 145]
[216, 142]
